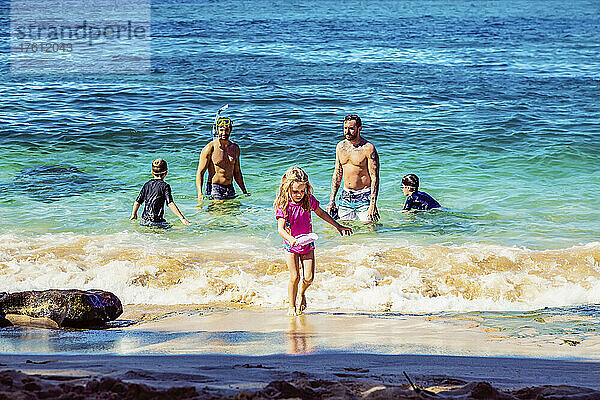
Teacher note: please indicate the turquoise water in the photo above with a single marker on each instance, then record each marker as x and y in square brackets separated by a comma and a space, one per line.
[494, 107]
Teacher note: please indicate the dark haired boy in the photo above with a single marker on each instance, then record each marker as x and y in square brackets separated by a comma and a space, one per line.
[416, 200]
[156, 192]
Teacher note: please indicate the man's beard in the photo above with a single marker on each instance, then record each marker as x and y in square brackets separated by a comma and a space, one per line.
[350, 137]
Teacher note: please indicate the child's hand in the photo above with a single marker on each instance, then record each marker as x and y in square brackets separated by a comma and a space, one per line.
[294, 243]
[343, 230]
[186, 222]
[331, 207]
[133, 217]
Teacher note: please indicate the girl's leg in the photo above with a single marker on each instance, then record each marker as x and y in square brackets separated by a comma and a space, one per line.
[308, 267]
[293, 262]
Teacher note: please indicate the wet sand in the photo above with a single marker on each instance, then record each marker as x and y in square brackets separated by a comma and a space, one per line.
[189, 330]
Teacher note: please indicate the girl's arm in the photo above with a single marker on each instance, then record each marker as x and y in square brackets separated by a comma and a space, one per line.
[285, 234]
[327, 218]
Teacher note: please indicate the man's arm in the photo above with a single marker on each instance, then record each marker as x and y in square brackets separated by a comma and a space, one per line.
[237, 172]
[343, 230]
[373, 166]
[205, 156]
[336, 179]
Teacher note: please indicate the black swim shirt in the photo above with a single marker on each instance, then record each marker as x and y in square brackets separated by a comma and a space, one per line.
[155, 193]
[420, 201]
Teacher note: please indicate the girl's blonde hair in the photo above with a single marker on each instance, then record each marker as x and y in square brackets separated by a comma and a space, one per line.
[293, 174]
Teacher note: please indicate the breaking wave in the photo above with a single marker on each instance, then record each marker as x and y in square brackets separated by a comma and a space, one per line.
[150, 269]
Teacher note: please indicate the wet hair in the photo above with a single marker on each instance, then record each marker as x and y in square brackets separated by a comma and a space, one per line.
[353, 117]
[159, 167]
[411, 180]
[293, 174]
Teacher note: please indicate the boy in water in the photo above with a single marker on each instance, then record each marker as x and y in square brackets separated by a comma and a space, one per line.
[416, 200]
[155, 193]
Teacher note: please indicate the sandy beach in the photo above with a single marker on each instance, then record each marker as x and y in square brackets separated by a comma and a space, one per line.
[216, 352]
[354, 374]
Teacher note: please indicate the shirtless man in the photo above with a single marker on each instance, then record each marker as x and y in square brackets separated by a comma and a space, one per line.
[357, 164]
[221, 157]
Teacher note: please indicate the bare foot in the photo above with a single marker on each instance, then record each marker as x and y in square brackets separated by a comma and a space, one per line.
[302, 305]
[292, 311]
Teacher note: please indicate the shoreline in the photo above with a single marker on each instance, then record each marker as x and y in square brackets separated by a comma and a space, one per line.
[220, 329]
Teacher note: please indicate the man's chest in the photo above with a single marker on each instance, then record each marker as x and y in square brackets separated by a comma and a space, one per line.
[221, 156]
[353, 156]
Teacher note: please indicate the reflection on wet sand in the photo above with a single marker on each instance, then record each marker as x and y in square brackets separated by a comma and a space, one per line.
[189, 330]
[300, 336]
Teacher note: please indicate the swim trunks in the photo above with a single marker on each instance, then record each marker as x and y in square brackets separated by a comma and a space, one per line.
[222, 192]
[152, 224]
[420, 201]
[355, 203]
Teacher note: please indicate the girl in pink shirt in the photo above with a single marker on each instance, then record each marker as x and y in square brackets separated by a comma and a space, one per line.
[293, 206]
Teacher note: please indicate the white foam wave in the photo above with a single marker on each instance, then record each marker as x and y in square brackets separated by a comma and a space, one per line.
[152, 269]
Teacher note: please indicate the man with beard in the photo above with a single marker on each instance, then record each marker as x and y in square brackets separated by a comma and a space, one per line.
[357, 164]
[221, 157]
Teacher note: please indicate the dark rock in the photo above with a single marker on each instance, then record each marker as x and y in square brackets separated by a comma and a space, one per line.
[281, 390]
[107, 388]
[556, 392]
[106, 384]
[32, 387]
[6, 381]
[285, 390]
[72, 308]
[3, 321]
[483, 390]
[92, 386]
[52, 393]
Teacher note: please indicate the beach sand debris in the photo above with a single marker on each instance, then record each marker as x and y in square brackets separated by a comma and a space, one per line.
[255, 366]
[418, 389]
[15, 384]
[40, 362]
[570, 342]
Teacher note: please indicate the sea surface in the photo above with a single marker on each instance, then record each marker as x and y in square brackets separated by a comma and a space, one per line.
[494, 105]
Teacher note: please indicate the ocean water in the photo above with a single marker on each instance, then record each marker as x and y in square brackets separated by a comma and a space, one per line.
[493, 105]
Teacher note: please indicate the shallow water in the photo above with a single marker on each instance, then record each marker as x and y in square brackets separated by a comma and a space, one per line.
[495, 108]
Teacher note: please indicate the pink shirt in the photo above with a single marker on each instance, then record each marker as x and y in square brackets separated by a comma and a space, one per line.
[298, 222]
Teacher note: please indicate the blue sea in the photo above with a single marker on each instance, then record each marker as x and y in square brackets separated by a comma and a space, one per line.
[494, 105]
